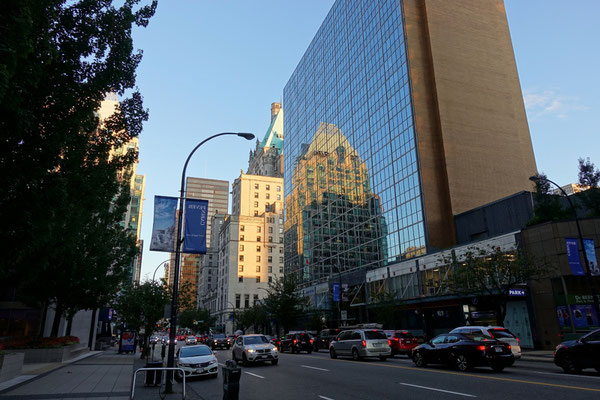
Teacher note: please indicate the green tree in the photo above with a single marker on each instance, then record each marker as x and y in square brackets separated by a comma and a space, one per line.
[61, 199]
[255, 317]
[548, 207]
[589, 178]
[492, 272]
[141, 306]
[198, 320]
[386, 309]
[283, 302]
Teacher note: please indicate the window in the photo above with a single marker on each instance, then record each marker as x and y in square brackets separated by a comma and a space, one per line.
[256, 195]
[278, 197]
[242, 238]
[258, 268]
[267, 196]
[281, 270]
[256, 204]
[258, 239]
[280, 259]
[256, 213]
[268, 187]
[241, 279]
[255, 302]
[281, 250]
[257, 258]
[241, 268]
[241, 247]
[257, 279]
[270, 269]
[246, 300]
[241, 228]
[241, 257]
[270, 259]
[270, 249]
[258, 248]
[237, 301]
[270, 229]
[279, 188]
[270, 239]
[256, 186]
[281, 239]
[258, 229]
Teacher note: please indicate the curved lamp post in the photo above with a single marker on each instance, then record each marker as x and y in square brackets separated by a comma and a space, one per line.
[588, 272]
[154, 274]
[178, 242]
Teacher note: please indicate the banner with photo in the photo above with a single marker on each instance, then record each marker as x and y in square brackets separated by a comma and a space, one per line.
[163, 229]
[196, 216]
[590, 252]
[573, 256]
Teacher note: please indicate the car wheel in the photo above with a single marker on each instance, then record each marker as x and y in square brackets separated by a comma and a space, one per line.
[275, 361]
[355, 355]
[309, 351]
[419, 360]
[382, 358]
[315, 348]
[570, 366]
[332, 353]
[462, 362]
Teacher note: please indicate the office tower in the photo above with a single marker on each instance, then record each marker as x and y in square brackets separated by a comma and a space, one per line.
[418, 99]
[251, 238]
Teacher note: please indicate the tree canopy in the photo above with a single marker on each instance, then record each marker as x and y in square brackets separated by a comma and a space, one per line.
[283, 303]
[63, 189]
[589, 179]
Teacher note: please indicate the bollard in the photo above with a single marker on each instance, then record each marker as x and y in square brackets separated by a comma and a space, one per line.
[153, 377]
[231, 380]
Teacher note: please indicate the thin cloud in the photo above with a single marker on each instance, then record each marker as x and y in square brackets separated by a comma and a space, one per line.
[551, 104]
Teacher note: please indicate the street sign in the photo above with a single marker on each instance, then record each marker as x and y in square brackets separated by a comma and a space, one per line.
[344, 315]
[336, 292]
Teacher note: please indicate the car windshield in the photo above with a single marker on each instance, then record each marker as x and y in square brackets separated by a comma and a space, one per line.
[255, 340]
[501, 334]
[194, 352]
[375, 335]
[477, 337]
[191, 337]
[219, 336]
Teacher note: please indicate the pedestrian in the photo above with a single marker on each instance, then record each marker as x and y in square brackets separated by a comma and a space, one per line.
[163, 351]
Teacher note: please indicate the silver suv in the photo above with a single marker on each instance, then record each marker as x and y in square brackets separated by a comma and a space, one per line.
[360, 343]
[252, 348]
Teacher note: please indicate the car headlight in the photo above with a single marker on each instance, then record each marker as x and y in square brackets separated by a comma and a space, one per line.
[250, 350]
[213, 361]
[274, 348]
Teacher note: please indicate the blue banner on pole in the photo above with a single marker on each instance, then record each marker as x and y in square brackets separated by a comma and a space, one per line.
[590, 252]
[336, 292]
[163, 229]
[573, 256]
[196, 215]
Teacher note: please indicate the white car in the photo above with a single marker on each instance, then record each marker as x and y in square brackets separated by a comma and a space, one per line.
[252, 348]
[191, 340]
[197, 360]
[499, 333]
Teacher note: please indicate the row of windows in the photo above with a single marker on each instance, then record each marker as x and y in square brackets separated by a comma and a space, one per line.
[269, 269]
[259, 239]
[258, 280]
[269, 258]
[267, 187]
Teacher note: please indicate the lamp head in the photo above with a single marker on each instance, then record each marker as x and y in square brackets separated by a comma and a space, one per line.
[535, 178]
[247, 136]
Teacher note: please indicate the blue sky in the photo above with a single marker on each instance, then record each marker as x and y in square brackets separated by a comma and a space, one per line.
[213, 66]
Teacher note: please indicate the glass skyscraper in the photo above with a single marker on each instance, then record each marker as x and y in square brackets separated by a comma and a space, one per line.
[400, 115]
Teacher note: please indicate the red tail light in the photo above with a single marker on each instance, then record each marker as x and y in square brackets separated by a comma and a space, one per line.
[364, 343]
[481, 348]
[389, 342]
[518, 341]
[295, 341]
[311, 340]
[509, 347]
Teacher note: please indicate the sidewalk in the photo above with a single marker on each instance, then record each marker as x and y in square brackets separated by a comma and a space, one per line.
[99, 374]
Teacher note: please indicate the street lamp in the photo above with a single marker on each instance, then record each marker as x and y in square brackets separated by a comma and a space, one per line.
[588, 272]
[178, 242]
[154, 274]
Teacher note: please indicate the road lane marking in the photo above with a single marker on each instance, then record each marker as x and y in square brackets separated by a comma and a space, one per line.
[439, 390]
[258, 376]
[565, 375]
[325, 398]
[320, 369]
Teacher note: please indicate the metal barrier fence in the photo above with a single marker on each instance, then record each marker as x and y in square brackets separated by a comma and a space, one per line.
[156, 369]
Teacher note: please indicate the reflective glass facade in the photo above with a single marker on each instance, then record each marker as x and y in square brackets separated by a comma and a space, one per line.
[353, 197]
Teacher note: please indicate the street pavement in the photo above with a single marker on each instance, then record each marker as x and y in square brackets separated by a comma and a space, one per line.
[316, 376]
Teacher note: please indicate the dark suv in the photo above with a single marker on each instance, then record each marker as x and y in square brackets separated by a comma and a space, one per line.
[220, 340]
[574, 355]
[325, 337]
[297, 342]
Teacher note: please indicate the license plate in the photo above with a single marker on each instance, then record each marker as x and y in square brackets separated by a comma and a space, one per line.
[498, 349]
[376, 344]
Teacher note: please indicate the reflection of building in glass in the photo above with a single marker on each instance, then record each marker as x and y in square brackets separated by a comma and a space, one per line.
[427, 96]
[333, 210]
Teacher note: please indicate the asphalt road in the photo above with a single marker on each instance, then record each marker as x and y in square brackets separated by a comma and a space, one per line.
[316, 376]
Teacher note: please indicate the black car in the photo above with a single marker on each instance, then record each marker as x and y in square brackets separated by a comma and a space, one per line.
[325, 337]
[297, 342]
[464, 351]
[574, 355]
[220, 340]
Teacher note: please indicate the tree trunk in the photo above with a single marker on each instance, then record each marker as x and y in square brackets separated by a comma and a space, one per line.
[42, 325]
[69, 325]
[58, 311]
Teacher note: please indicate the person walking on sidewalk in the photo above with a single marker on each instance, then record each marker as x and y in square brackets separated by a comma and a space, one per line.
[163, 351]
